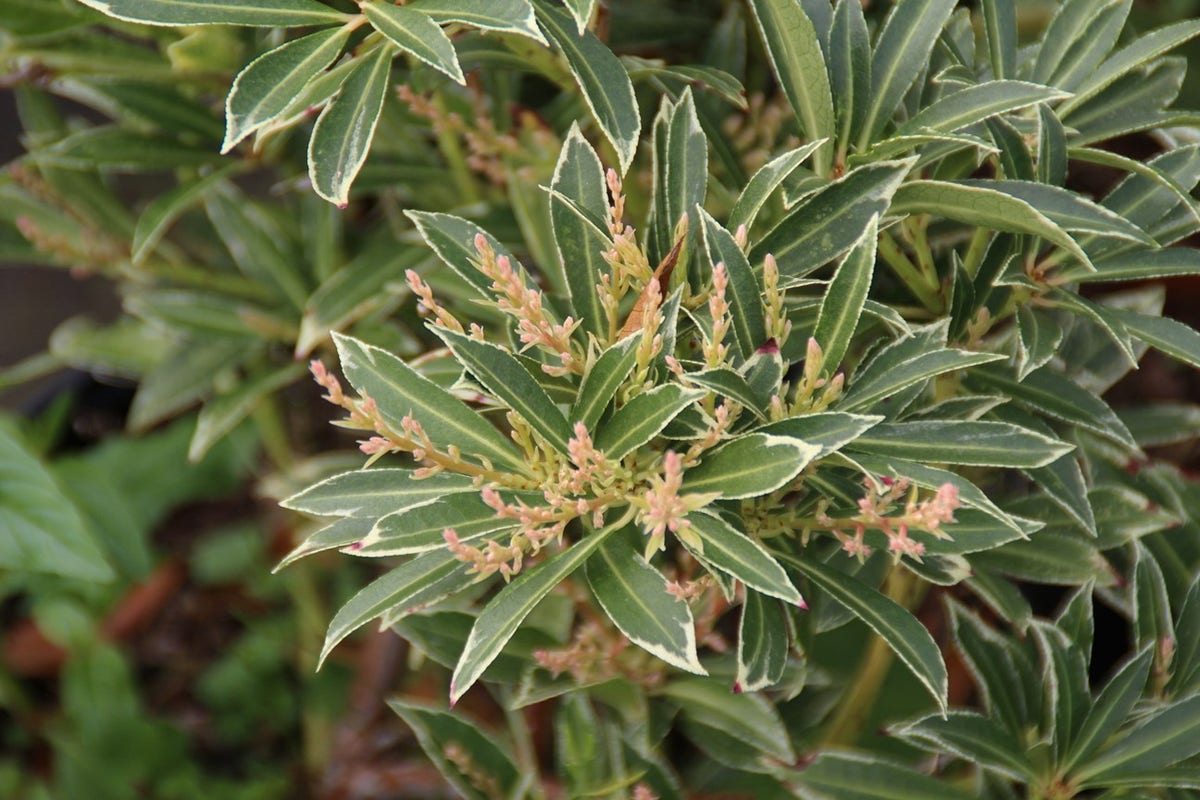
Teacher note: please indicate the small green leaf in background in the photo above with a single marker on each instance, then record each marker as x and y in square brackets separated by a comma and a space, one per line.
[40, 529]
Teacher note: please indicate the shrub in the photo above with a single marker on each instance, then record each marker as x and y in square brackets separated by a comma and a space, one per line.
[706, 428]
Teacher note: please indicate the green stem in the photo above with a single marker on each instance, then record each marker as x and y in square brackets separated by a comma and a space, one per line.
[976, 250]
[859, 697]
[909, 273]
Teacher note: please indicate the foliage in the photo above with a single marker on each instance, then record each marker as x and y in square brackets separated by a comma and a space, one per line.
[810, 379]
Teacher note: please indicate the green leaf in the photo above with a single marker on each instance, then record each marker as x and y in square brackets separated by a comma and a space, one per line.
[437, 731]
[1049, 557]
[508, 381]
[907, 637]
[762, 644]
[114, 149]
[1052, 148]
[861, 776]
[1000, 29]
[1038, 336]
[416, 34]
[579, 177]
[344, 130]
[1168, 736]
[796, 58]
[849, 68]
[1001, 669]
[634, 595]
[1139, 265]
[501, 16]
[1048, 392]
[1159, 424]
[685, 168]
[602, 78]
[1069, 210]
[354, 290]
[972, 737]
[1185, 666]
[831, 430]
[895, 369]
[1152, 623]
[901, 53]
[763, 184]
[1063, 482]
[643, 418]
[581, 12]
[421, 581]
[987, 208]
[223, 413]
[727, 383]
[845, 297]
[339, 533]
[1162, 333]
[41, 530]
[976, 443]
[184, 376]
[263, 13]
[749, 466]
[165, 209]
[269, 83]
[604, 378]
[253, 241]
[830, 221]
[1086, 21]
[374, 493]
[974, 104]
[453, 239]
[1066, 680]
[421, 528]
[746, 295]
[399, 391]
[749, 719]
[1141, 50]
[701, 76]
[500, 618]
[1111, 708]
[731, 551]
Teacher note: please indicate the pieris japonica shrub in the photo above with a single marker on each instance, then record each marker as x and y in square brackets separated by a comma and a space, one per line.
[729, 437]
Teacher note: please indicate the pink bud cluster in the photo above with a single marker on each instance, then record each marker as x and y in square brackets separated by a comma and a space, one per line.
[428, 304]
[715, 352]
[663, 509]
[534, 326]
[877, 512]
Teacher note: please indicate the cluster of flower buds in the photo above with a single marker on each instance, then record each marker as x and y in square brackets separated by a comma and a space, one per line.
[879, 509]
[535, 328]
